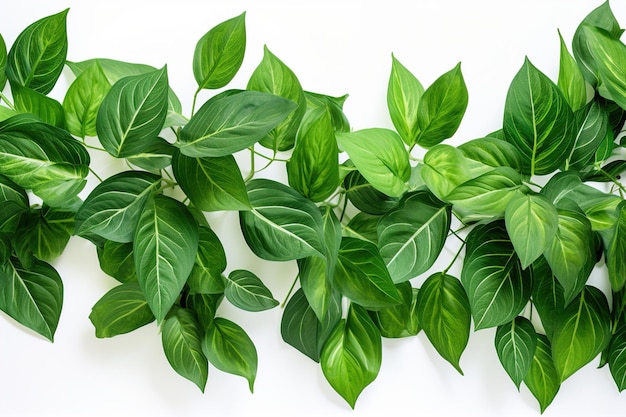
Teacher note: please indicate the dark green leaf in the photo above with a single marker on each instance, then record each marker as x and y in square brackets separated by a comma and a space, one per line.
[443, 311]
[3, 63]
[121, 310]
[352, 356]
[117, 260]
[404, 92]
[206, 275]
[30, 101]
[617, 357]
[247, 292]
[365, 197]
[516, 343]
[44, 233]
[542, 379]
[571, 80]
[547, 295]
[14, 201]
[401, 320]
[156, 157]
[592, 125]
[205, 306]
[615, 252]
[609, 172]
[493, 152]
[363, 226]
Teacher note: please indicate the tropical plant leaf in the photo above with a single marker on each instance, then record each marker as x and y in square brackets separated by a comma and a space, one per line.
[493, 152]
[571, 80]
[542, 379]
[548, 296]
[46, 108]
[617, 357]
[3, 63]
[206, 274]
[365, 196]
[400, 320]
[117, 260]
[592, 125]
[404, 92]
[615, 252]
[516, 343]
[43, 233]
[247, 292]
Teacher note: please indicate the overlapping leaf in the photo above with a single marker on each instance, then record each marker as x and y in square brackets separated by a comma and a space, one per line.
[542, 379]
[404, 92]
[516, 343]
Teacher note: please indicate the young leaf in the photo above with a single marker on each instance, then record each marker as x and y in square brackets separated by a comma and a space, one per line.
[441, 108]
[401, 320]
[113, 207]
[212, 184]
[219, 53]
[274, 77]
[615, 252]
[581, 332]
[181, 336]
[361, 275]
[282, 225]
[542, 379]
[230, 123]
[164, 246]
[352, 355]
[538, 121]
[380, 156]
[229, 348]
[46, 108]
[617, 357]
[443, 312]
[531, 222]
[516, 343]
[132, 113]
[117, 260]
[33, 297]
[411, 236]
[592, 125]
[37, 56]
[206, 274]
[404, 92]
[247, 292]
[121, 310]
[313, 169]
[82, 101]
[497, 286]
[571, 80]
[334, 105]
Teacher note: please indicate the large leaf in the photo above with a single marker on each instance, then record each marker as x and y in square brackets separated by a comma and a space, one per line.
[542, 379]
[229, 348]
[516, 343]
[33, 296]
[219, 53]
[441, 108]
[247, 292]
[497, 286]
[282, 225]
[361, 275]
[411, 236]
[571, 80]
[121, 310]
[113, 207]
[352, 356]
[132, 114]
[274, 77]
[380, 156]
[37, 56]
[581, 332]
[616, 250]
[181, 335]
[212, 184]
[538, 121]
[404, 92]
[164, 247]
[592, 124]
[531, 221]
[443, 312]
[230, 123]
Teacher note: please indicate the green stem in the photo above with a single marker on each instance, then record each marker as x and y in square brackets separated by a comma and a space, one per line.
[95, 174]
[193, 104]
[293, 285]
[95, 148]
[252, 155]
[614, 180]
[6, 100]
[445, 271]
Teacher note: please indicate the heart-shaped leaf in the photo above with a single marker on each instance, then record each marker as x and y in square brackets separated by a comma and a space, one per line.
[516, 343]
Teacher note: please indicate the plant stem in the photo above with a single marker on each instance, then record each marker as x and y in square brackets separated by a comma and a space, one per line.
[193, 104]
[614, 180]
[293, 285]
[252, 155]
[445, 271]
[95, 174]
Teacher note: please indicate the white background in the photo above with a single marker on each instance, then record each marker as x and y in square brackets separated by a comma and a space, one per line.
[334, 47]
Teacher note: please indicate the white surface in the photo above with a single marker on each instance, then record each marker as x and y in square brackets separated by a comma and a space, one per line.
[334, 47]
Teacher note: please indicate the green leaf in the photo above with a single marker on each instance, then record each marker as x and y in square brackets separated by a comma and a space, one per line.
[206, 274]
[42, 158]
[282, 225]
[301, 328]
[615, 252]
[363, 226]
[274, 77]
[443, 312]
[30, 101]
[112, 209]
[83, 99]
[352, 356]
[401, 320]
[205, 306]
[164, 246]
[542, 379]
[6, 113]
[379, 154]
[531, 222]
[538, 121]
[44, 233]
[3, 63]
[411, 236]
[219, 53]
[548, 295]
[313, 169]
[247, 292]
[121, 310]
[361, 275]
[516, 343]
[117, 260]
[592, 125]
[181, 335]
[334, 105]
[33, 297]
[132, 114]
[229, 348]
[571, 80]
[404, 92]
[212, 184]
[14, 202]
[156, 157]
[617, 357]
[365, 196]
[37, 56]
[497, 286]
[230, 123]
[492, 152]
[441, 108]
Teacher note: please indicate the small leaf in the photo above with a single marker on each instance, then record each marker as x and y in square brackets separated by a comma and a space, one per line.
[247, 292]
[404, 92]
[617, 357]
[401, 320]
[117, 260]
[46, 108]
[229, 348]
[352, 356]
[181, 335]
[443, 312]
[615, 252]
[516, 343]
[571, 80]
[542, 379]
[206, 274]
[592, 125]
[219, 53]
[121, 310]
[547, 295]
